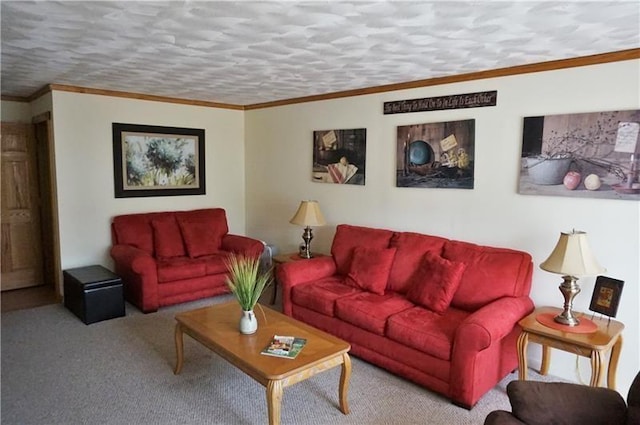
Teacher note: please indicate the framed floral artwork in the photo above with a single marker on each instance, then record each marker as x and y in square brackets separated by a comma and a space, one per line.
[157, 161]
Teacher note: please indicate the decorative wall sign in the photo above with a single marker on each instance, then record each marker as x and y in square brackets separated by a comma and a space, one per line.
[436, 155]
[455, 101]
[339, 156]
[157, 161]
[606, 296]
[594, 155]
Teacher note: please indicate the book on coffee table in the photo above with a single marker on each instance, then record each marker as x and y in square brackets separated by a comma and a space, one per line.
[286, 347]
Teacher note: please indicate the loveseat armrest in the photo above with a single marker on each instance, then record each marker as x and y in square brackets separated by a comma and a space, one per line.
[244, 245]
[139, 274]
[543, 403]
[297, 272]
[492, 322]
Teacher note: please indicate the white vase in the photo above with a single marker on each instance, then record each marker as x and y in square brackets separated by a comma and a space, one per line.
[248, 322]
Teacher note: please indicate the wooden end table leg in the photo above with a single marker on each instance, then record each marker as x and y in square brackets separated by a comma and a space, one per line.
[345, 375]
[546, 359]
[523, 340]
[597, 368]
[613, 363]
[179, 349]
[274, 401]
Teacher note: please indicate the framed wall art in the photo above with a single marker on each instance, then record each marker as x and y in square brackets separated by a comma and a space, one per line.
[606, 296]
[157, 161]
[339, 156]
[594, 155]
[436, 155]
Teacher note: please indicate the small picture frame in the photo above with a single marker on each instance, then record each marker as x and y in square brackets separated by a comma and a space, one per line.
[606, 296]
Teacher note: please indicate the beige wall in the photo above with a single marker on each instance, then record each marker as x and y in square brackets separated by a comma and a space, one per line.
[15, 111]
[84, 156]
[278, 168]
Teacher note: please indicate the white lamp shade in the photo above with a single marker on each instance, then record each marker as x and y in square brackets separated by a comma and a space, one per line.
[308, 214]
[572, 256]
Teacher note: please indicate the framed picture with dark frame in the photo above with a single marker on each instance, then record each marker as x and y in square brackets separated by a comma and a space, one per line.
[157, 161]
[606, 296]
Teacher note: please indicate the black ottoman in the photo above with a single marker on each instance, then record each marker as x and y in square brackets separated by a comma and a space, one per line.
[93, 293]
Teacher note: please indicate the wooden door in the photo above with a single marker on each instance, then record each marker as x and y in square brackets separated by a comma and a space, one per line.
[20, 223]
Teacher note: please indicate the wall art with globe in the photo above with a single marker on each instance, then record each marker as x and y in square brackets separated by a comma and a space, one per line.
[436, 155]
[157, 161]
[594, 154]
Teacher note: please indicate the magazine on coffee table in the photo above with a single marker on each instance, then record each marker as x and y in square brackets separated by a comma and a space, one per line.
[286, 347]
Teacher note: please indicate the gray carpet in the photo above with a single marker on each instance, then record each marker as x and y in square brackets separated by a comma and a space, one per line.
[57, 370]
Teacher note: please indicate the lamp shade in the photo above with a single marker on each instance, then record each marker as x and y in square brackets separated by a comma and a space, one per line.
[572, 256]
[308, 214]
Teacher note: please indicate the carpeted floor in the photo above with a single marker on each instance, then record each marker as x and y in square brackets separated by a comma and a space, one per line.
[57, 370]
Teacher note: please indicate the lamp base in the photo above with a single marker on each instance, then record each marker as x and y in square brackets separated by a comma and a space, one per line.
[569, 288]
[305, 252]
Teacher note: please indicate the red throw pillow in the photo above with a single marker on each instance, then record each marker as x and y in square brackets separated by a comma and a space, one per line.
[199, 237]
[167, 239]
[370, 269]
[435, 282]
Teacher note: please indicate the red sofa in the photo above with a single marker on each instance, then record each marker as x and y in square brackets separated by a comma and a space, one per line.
[172, 257]
[439, 312]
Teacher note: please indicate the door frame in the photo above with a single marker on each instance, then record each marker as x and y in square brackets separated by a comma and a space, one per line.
[49, 223]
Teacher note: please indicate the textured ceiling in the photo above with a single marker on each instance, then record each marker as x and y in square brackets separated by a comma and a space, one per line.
[247, 52]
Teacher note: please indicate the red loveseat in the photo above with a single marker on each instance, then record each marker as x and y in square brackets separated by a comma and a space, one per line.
[167, 258]
[439, 312]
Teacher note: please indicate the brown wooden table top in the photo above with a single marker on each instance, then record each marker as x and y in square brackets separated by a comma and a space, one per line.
[217, 327]
[607, 330]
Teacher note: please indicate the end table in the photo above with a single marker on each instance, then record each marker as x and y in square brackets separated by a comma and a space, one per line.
[607, 336]
[286, 258]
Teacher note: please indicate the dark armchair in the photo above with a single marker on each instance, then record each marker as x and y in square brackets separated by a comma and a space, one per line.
[555, 403]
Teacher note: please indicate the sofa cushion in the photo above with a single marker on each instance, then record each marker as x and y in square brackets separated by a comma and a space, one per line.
[491, 273]
[167, 239]
[426, 330]
[369, 269]
[411, 247]
[202, 230]
[215, 263]
[348, 237]
[179, 268]
[321, 295]
[370, 311]
[435, 282]
[134, 230]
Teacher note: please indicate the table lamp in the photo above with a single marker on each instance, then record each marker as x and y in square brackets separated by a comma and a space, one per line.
[571, 258]
[308, 215]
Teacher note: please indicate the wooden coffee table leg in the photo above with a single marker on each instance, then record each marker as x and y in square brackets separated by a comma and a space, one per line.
[179, 349]
[345, 375]
[274, 401]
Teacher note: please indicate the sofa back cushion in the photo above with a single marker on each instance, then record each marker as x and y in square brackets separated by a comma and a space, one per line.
[134, 230]
[348, 237]
[411, 248]
[490, 273]
[167, 238]
[202, 230]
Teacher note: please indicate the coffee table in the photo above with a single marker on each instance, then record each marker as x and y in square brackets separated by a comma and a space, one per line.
[216, 327]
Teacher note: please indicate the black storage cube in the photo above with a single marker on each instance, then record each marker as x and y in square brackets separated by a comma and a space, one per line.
[93, 293]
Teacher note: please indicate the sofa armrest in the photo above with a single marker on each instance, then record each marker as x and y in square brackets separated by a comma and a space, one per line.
[297, 272]
[543, 403]
[139, 274]
[492, 322]
[242, 245]
[502, 417]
